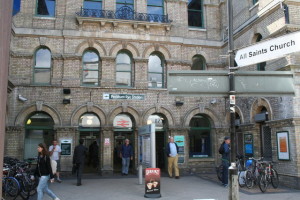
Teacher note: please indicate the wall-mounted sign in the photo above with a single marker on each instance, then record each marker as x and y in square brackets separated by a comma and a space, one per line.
[122, 121]
[123, 96]
[179, 140]
[66, 147]
[283, 148]
[248, 145]
[106, 141]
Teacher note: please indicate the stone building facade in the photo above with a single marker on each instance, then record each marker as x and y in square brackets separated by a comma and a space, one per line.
[100, 75]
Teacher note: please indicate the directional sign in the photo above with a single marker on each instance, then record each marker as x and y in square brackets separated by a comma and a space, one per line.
[268, 50]
[216, 83]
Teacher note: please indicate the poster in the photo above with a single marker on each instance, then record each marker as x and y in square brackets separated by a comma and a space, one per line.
[283, 146]
[248, 145]
[152, 183]
[179, 140]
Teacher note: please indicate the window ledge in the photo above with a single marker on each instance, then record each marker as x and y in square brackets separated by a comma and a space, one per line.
[255, 5]
[197, 29]
[209, 159]
[46, 17]
[116, 22]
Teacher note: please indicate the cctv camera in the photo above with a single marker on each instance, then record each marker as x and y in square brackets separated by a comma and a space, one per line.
[21, 98]
[213, 101]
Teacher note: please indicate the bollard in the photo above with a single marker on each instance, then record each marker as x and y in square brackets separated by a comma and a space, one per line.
[233, 182]
[140, 174]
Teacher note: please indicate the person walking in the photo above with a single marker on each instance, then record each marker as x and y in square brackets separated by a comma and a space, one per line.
[172, 153]
[55, 151]
[126, 154]
[44, 171]
[225, 150]
[94, 154]
[78, 159]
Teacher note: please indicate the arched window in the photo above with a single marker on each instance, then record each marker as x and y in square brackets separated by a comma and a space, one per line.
[90, 68]
[46, 8]
[122, 121]
[195, 13]
[38, 129]
[123, 69]
[42, 66]
[199, 135]
[158, 120]
[89, 120]
[260, 66]
[155, 71]
[198, 63]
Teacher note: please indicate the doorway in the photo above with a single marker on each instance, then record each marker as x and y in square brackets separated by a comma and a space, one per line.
[91, 142]
[160, 139]
[119, 138]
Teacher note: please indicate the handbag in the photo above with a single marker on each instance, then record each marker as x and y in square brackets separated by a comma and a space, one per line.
[53, 166]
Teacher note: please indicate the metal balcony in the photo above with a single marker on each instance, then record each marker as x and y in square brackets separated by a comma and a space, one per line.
[124, 13]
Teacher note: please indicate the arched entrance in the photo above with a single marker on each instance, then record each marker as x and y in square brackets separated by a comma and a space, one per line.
[200, 137]
[123, 129]
[160, 138]
[38, 129]
[89, 131]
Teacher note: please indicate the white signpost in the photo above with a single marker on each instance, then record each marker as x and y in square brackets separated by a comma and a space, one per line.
[268, 50]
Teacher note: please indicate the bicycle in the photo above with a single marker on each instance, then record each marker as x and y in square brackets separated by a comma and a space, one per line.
[253, 172]
[10, 185]
[267, 176]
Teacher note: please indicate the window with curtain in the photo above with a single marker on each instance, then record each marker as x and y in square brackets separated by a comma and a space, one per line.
[46, 8]
[199, 135]
[155, 7]
[123, 69]
[155, 71]
[90, 68]
[42, 66]
[92, 4]
[198, 63]
[195, 13]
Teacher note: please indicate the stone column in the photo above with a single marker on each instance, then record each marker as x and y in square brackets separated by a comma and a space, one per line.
[141, 73]
[108, 71]
[107, 151]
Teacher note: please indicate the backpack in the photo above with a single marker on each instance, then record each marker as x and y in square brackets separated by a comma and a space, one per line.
[221, 148]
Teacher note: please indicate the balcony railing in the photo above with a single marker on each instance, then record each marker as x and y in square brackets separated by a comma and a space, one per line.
[124, 13]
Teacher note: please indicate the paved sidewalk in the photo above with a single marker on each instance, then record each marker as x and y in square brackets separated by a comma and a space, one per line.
[185, 188]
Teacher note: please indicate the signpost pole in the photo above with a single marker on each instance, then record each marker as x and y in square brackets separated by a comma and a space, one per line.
[233, 191]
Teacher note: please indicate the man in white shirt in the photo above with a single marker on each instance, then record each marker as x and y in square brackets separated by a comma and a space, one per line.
[54, 151]
[172, 153]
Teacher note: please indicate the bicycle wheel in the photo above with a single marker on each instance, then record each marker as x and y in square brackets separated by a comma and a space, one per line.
[241, 178]
[11, 186]
[248, 179]
[262, 182]
[274, 178]
[220, 172]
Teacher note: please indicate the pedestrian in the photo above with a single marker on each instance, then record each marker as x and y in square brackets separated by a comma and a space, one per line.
[55, 151]
[93, 154]
[44, 171]
[225, 150]
[172, 153]
[78, 159]
[126, 154]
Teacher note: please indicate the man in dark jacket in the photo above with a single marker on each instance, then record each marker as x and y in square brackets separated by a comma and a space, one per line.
[172, 153]
[78, 159]
[126, 154]
[225, 160]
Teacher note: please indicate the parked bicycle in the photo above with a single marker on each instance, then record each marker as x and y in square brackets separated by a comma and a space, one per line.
[10, 185]
[253, 172]
[267, 176]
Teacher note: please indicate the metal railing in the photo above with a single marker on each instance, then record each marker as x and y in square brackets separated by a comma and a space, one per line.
[124, 13]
